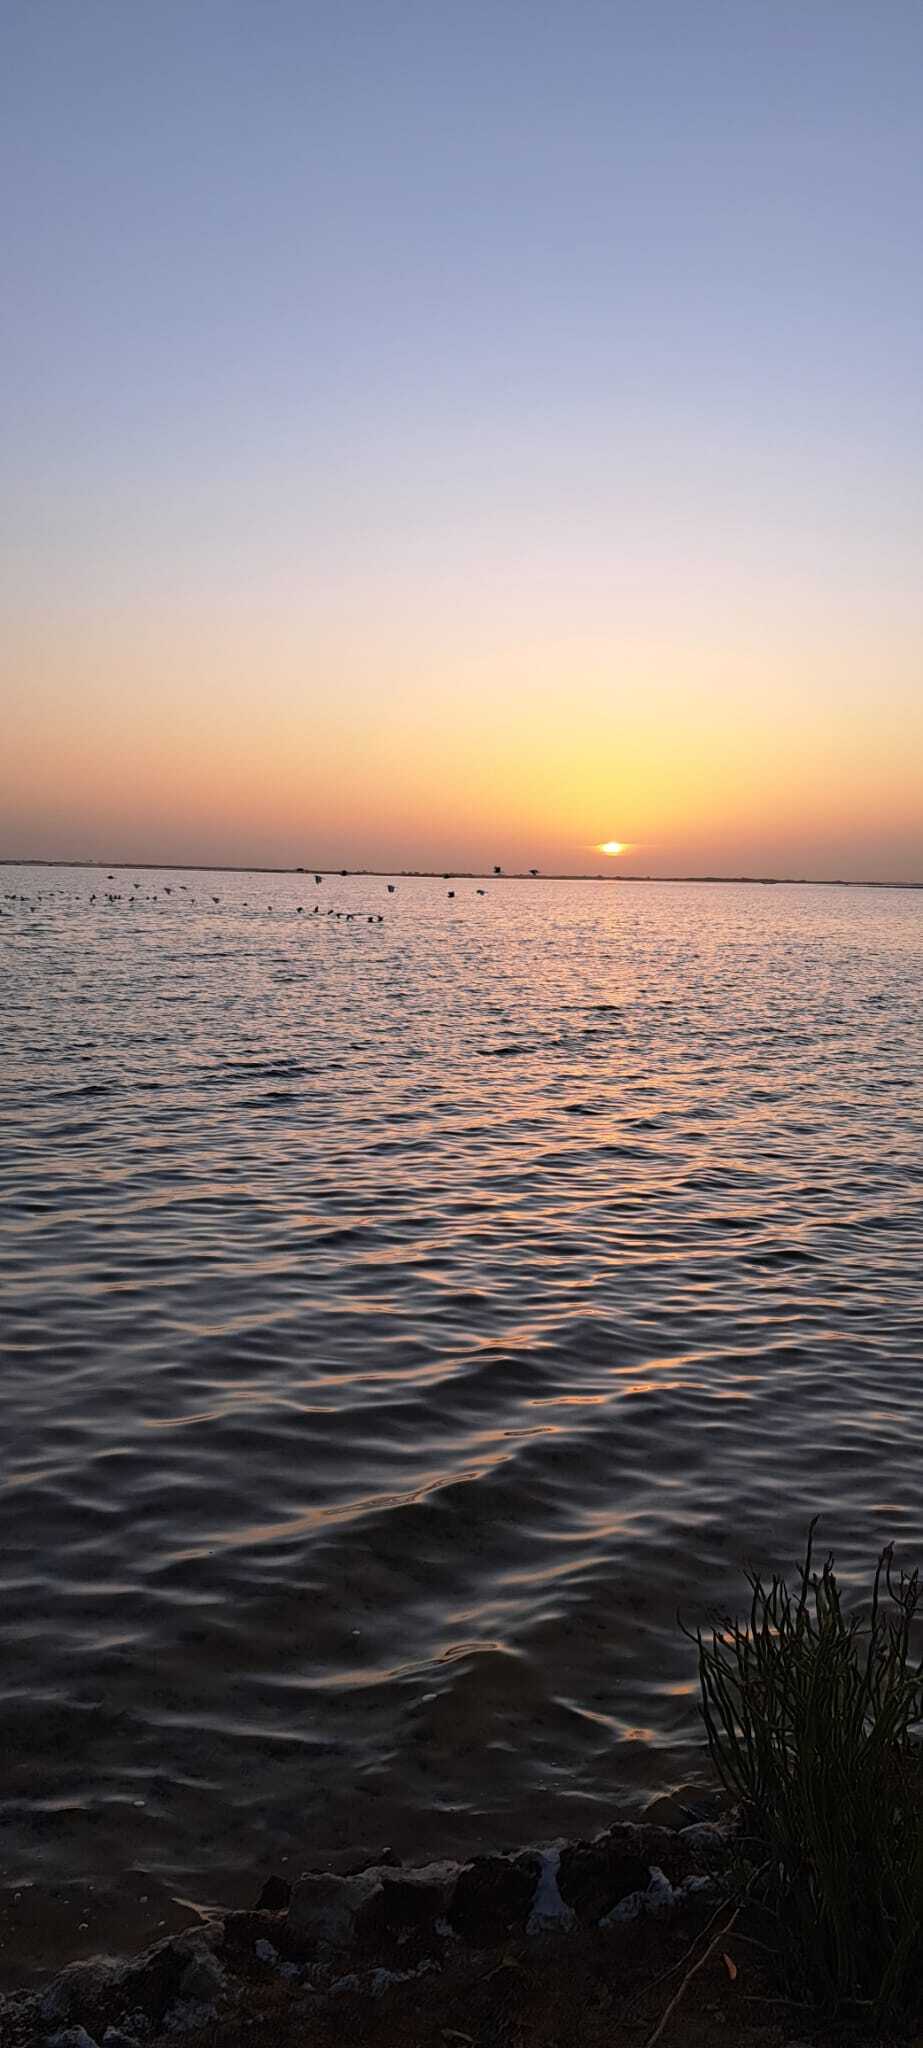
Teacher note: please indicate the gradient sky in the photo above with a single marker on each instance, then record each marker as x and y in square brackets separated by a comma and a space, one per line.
[443, 432]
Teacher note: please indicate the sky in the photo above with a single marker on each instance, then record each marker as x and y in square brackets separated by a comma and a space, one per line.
[447, 432]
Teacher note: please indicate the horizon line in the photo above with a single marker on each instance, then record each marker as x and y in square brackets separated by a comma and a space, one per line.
[455, 874]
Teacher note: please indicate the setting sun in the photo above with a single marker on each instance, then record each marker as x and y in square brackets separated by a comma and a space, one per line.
[613, 846]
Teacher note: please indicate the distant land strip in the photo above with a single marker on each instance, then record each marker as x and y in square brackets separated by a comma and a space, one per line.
[203, 867]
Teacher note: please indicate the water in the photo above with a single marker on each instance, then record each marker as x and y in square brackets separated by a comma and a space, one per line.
[402, 1322]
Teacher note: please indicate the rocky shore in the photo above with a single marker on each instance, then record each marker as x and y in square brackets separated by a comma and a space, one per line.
[361, 1927]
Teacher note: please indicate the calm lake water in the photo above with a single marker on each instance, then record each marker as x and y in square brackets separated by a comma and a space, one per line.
[402, 1321]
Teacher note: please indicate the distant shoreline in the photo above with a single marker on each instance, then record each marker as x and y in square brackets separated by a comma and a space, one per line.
[201, 867]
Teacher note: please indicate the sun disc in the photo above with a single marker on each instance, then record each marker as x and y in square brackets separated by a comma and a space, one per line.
[612, 846]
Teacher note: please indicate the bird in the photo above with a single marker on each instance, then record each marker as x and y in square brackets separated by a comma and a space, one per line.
[216, 899]
[300, 908]
[390, 888]
[482, 892]
[451, 892]
[318, 880]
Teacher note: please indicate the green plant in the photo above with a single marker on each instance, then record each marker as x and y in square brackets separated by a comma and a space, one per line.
[810, 1716]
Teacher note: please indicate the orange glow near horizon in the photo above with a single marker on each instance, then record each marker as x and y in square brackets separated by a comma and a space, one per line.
[240, 733]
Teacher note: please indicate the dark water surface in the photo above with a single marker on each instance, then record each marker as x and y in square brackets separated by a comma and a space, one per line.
[402, 1321]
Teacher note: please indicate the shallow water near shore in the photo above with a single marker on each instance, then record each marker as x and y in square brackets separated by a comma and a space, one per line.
[403, 1321]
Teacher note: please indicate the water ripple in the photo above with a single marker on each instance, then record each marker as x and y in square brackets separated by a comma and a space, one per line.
[403, 1322]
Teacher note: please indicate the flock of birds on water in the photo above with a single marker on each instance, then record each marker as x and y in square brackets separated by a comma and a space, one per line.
[117, 896]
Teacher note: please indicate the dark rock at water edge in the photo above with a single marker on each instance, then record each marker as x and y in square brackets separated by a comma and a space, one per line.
[493, 1898]
[275, 1896]
[595, 1876]
[370, 1921]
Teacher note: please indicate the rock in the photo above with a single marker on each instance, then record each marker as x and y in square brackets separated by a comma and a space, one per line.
[415, 1899]
[82, 1991]
[328, 1909]
[381, 1980]
[659, 1896]
[116, 2037]
[95, 1993]
[493, 1897]
[380, 1905]
[693, 1887]
[203, 1979]
[265, 1953]
[71, 2037]
[152, 1981]
[242, 1931]
[652, 1843]
[275, 1896]
[187, 2016]
[667, 1810]
[706, 1837]
[594, 1876]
